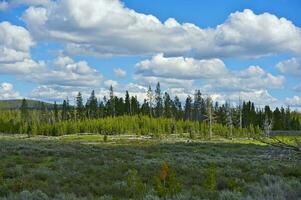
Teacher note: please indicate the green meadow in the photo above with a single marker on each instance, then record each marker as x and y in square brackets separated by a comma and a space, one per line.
[130, 167]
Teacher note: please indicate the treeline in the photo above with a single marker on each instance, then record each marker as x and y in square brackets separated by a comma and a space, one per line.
[158, 113]
[195, 108]
[137, 125]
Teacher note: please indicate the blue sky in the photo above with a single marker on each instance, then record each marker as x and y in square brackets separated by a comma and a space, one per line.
[229, 48]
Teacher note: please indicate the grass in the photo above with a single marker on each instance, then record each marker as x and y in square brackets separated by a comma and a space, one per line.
[86, 167]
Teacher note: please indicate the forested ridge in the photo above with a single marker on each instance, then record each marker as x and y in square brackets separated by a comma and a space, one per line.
[16, 104]
[158, 114]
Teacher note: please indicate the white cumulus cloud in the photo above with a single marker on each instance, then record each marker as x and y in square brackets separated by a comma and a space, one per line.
[294, 101]
[213, 73]
[115, 29]
[291, 66]
[120, 73]
[297, 88]
[7, 4]
[3, 5]
[15, 43]
[67, 72]
[249, 79]
[7, 91]
[181, 67]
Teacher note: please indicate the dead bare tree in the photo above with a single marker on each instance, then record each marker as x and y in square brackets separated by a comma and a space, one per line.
[282, 148]
[293, 145]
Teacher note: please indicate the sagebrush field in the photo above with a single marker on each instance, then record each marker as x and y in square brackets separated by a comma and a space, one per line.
[129, 167]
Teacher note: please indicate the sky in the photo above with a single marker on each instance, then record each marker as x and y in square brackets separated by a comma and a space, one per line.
[230, 50]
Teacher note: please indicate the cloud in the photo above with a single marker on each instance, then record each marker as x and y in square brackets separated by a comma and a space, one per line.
[180, 72]
[59, 93]
[15, 43]
[56, 92]
[248, 34]
[181, 76]
[21, 68]
[109, 83]
[294, 101]
[297, 88]
[184, 56]
[67, 72]
[260, 97]
[165, 82]
[15, 59]
[120, 73]
[4, 5]
[249, 79]
[181, 67]
[115, 29]
[7, 91]
[291, 66]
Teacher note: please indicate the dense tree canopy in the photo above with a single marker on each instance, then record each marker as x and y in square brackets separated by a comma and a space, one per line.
[157, 114]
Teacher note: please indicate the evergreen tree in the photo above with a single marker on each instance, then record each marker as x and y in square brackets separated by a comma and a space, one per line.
[283, 118]
[128, 109]
[44, 118]
[55, 112]
[145, 109]
[80, 109]
[24, 111]
[177, 108]
[92, 106]
[248, 114]
[69, 110]
[149, 96]
[260, 118]
[101, 110]
[168, 104]
[135, 107]
[188, 108]
[64, 110]
[198, 106]
[268, 114]
[158, 101]
[277, 119]
[111, 102]
[37, 120]
[120, 107]
[287, 123]
[222, 115]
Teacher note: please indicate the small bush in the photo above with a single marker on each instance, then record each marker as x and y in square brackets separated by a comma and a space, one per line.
[135, 186]
[224, 183]
[105, 138]
[26, 195]
[228, 195]
[211, 176]
[274, 188]
[166, 183]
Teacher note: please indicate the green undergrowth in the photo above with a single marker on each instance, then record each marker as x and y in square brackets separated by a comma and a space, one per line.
[129, 167]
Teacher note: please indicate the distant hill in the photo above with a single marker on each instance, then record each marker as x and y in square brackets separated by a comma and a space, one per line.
[16, 104]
